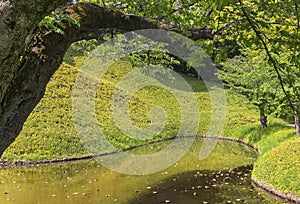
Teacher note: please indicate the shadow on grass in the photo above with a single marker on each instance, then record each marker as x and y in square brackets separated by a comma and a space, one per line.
[254, 133]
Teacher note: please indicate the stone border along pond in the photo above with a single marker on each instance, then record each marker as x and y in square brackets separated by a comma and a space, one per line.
[268, 189]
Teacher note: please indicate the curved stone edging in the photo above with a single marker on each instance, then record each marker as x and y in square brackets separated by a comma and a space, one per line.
[274, 192]
[230, 140]
[265, 187]
[4, 164]
[70, 159]
[289, 197]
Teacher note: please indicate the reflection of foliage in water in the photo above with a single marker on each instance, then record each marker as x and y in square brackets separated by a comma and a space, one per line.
[233, 186]
[88, 182]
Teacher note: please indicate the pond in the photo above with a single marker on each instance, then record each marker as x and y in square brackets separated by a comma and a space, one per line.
[223, 177]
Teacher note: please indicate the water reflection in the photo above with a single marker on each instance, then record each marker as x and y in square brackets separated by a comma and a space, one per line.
[222, 177]
[205, 187]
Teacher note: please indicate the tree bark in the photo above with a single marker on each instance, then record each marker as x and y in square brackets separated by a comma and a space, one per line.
[18, 21]
[263, 117]
[34, 63]
[296, 119]
[275, 66]
[29, 57]
[263, 121]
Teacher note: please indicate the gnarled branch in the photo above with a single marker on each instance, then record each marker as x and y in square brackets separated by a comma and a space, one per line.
[44, 55]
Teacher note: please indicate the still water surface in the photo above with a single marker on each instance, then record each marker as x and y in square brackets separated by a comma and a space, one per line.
[223, 177]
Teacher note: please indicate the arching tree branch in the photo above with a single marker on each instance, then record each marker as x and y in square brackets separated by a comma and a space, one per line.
[44, 55]
[27, 67]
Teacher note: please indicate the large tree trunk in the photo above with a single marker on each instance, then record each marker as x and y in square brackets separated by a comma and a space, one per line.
[18, 20]
[24, 85]
[17, 24]
[29, 57]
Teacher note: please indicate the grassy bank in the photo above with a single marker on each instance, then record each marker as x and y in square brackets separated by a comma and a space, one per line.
[50, 132]
[278, 165]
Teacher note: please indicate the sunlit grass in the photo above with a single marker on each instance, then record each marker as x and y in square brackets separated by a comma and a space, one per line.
[49, 132]
[280, 167]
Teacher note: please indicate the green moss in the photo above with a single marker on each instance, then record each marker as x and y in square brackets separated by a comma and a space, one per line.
[278, 164]
[49, 132]
[280, 167]
[265, 139]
